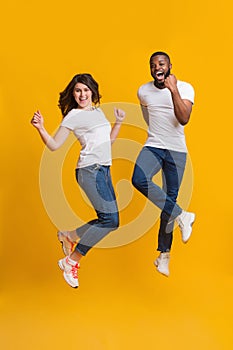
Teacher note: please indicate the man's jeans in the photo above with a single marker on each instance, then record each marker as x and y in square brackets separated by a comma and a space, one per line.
[149, 162]
[96, 182]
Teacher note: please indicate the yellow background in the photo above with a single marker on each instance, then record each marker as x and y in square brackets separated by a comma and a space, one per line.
[122, 302]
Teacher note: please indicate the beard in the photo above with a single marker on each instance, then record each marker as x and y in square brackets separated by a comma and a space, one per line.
[160, 84]
[168, 73]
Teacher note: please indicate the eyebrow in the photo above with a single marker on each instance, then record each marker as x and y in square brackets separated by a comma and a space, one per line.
[160, 61]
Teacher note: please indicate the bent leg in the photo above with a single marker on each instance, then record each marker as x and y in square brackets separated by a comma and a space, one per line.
[96, 182]
[173, 171]
[149, 162]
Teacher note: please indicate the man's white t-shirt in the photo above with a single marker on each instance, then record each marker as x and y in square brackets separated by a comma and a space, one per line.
[157, 107]
[92, 129]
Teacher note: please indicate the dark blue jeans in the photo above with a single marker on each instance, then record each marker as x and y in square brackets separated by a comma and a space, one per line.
[96, 182]
[172, 164]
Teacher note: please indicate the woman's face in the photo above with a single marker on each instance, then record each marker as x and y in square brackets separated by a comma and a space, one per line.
[83, 96]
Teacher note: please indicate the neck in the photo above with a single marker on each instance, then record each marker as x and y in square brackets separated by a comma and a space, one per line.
[159, 86]
[88, 108]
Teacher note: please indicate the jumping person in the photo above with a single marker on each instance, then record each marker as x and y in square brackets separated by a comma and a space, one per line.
[166, 105]
[79, 104]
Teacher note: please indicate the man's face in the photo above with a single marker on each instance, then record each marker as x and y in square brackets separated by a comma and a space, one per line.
[160, 70]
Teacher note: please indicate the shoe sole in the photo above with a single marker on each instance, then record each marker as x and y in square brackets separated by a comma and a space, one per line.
[157, 268]
[162, 273]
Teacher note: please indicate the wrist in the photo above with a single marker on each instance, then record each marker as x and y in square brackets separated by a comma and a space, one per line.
[41, 129]
[174, 89]
[119, 121]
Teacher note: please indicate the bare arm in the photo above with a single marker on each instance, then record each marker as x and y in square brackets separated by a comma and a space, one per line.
[145, 114]
[52, 142]
[120, 116]
[182, 108]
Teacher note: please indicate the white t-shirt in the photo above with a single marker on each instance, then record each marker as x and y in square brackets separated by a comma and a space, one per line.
[92, 129]
[157, 106]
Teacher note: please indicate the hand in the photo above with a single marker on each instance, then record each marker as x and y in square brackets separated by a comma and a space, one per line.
[119, 114]
[171, 82]
[37, 120]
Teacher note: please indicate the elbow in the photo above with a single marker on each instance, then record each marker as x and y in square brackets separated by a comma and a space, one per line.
[183, 122]
[52, 148]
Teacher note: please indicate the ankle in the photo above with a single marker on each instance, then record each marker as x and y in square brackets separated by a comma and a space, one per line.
[76, 256]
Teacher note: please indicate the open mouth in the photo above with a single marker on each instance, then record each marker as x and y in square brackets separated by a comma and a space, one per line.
[160, 76]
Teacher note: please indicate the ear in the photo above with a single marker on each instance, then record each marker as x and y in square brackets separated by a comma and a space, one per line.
[170, 66]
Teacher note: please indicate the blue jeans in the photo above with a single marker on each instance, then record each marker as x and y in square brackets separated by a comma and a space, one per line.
[96, 182]
[149, 162]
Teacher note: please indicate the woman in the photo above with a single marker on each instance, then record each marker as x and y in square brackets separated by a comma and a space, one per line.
[81, 115]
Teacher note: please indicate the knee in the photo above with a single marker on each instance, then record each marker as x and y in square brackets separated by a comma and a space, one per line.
[114, 221]
[110, 220]
[139, 179]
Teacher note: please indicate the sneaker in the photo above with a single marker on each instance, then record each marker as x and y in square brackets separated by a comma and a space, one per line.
[67, 244]
[162, 263]
[185, 221]
[70, 271]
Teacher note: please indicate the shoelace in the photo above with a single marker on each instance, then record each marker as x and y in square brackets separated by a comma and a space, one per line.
[180, 223]
[74, 271]
[73, 268]
[66, 238]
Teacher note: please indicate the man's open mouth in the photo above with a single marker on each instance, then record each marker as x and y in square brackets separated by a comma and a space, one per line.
[160, 75]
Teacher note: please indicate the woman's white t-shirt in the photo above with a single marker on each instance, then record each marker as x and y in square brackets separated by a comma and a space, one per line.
[92, 129]
[157, 106]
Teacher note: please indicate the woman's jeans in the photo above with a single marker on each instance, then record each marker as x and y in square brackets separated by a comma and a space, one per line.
[96, 182]
[149, 162]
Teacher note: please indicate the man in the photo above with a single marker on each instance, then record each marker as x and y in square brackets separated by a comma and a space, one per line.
[166, 106]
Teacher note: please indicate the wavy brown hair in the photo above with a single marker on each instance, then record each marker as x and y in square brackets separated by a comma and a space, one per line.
[67, 102]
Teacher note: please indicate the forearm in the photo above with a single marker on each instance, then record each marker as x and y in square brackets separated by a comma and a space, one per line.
[145, 114]
[48, 139]
[115, 131]
[52, 142]
[181, 109]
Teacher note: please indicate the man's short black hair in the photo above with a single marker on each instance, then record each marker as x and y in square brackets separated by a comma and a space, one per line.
[160, 53]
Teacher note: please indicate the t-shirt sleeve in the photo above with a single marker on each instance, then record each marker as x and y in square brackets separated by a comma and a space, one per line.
[67, 122]
[187, 92]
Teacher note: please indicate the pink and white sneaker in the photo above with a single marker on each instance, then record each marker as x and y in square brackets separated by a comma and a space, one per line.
[70, 271]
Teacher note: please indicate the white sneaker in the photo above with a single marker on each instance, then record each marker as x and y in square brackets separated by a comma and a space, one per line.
[67, 244]
[162, 263]
[185, 221]
[70, 271]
